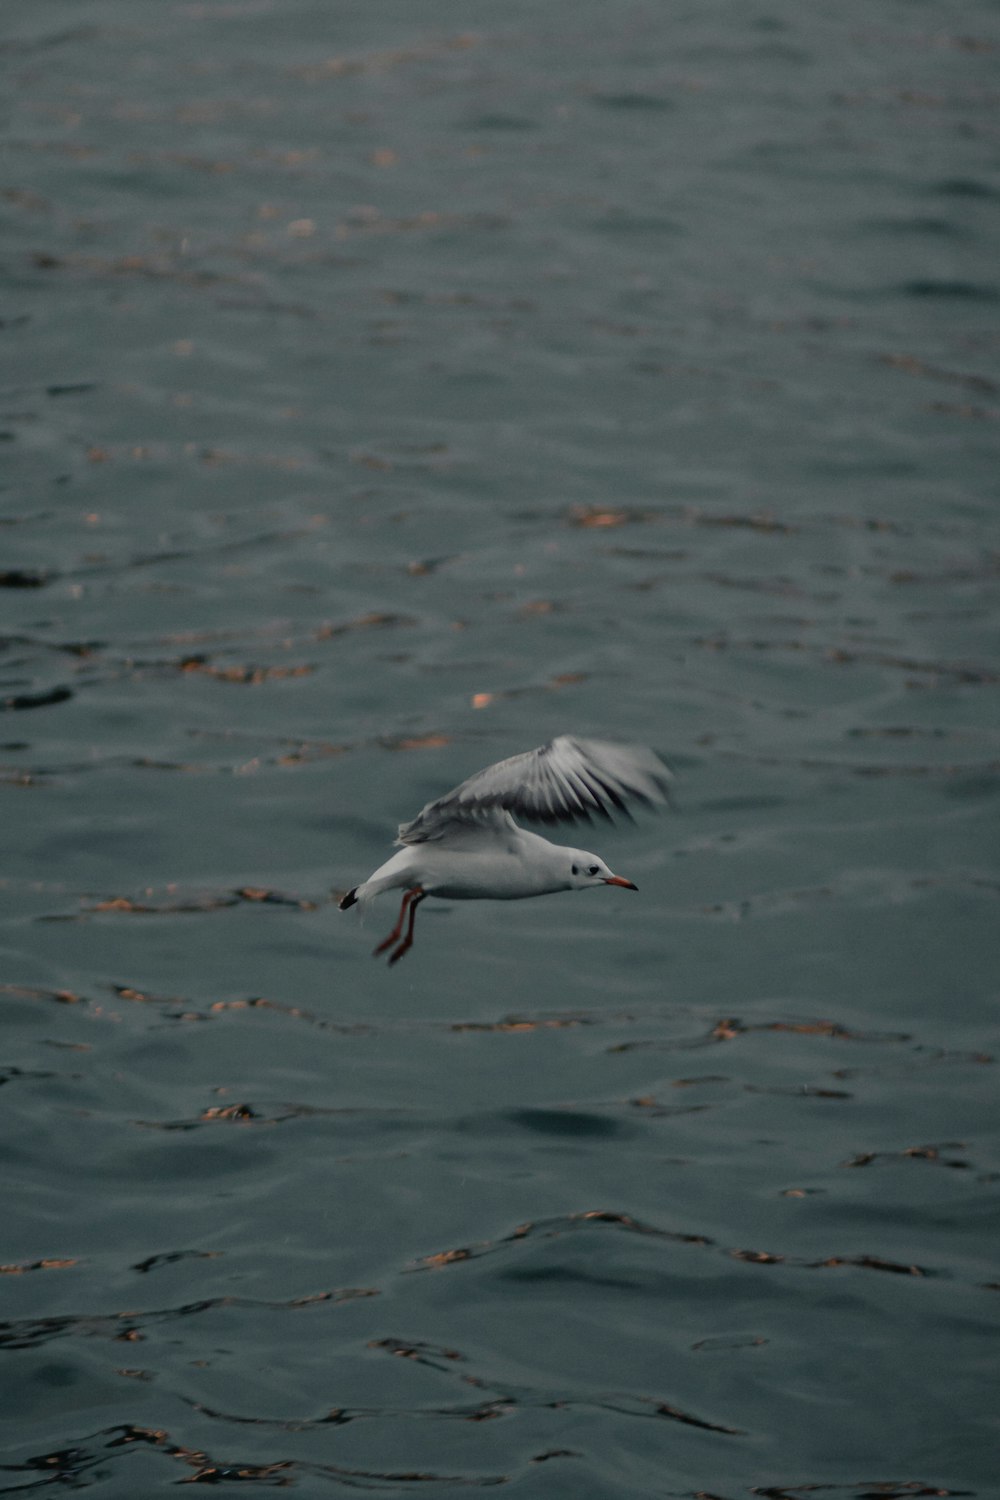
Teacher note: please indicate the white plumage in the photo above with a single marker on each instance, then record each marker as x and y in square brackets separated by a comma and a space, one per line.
[466, 845]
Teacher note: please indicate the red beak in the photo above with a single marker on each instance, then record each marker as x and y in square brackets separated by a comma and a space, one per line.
[617, 880]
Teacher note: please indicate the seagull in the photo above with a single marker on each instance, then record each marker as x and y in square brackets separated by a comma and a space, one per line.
[466, 846]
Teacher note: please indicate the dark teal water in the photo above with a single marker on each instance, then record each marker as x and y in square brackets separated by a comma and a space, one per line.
[390, 387]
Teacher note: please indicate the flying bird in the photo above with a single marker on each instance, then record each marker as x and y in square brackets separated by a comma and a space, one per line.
[466, 846]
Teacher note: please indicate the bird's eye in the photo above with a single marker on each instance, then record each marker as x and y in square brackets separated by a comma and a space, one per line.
[576, 869]
[593, 869]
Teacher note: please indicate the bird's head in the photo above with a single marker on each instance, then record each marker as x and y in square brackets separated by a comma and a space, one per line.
[586, 870]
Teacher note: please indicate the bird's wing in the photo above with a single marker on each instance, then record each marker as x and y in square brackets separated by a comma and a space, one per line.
[565, 781]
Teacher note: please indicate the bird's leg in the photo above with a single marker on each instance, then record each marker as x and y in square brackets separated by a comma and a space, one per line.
[395, 933]
[415, 899]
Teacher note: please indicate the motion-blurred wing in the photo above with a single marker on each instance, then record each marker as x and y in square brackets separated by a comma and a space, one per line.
[566, 781]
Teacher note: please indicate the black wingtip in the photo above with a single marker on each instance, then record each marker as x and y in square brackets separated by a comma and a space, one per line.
[349, 900]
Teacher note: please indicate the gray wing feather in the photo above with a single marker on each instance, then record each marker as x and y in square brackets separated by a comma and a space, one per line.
[568, 780]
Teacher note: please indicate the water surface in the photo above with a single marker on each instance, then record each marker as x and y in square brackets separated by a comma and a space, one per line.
[390, 388]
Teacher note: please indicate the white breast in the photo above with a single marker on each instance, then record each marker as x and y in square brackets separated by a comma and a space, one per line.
[499, 868]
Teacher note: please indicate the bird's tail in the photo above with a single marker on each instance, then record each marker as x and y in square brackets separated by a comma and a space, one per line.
[390, 876]
[369, 889]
